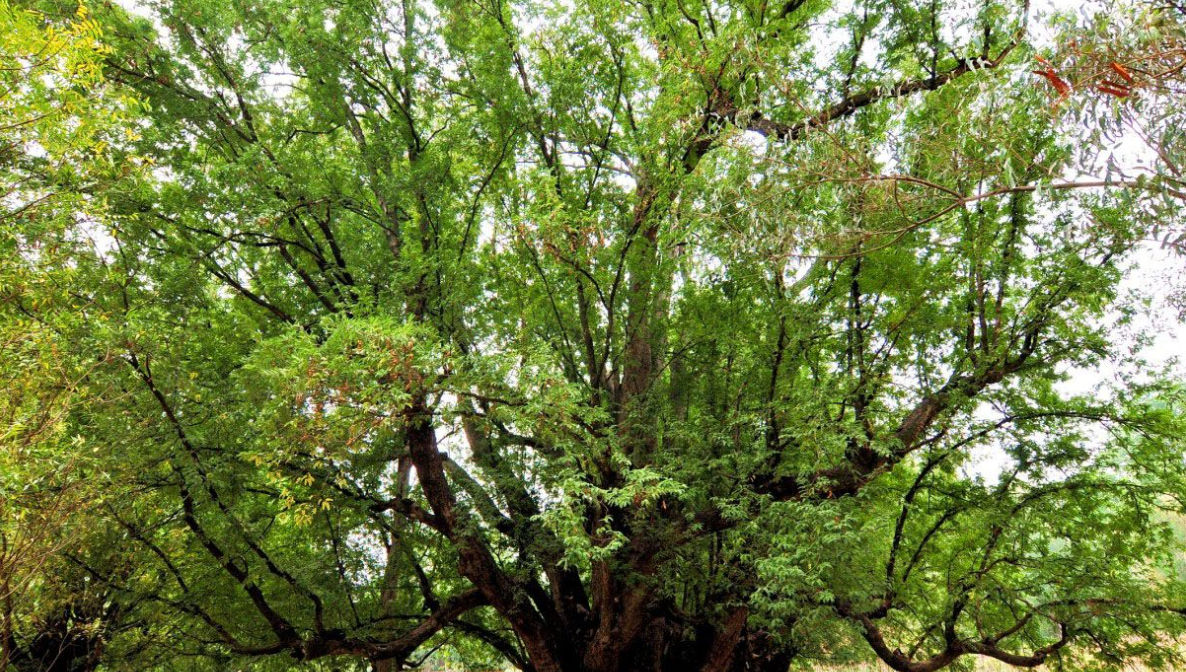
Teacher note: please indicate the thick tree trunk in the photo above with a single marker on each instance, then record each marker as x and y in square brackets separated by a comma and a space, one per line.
[666, 643]
[58, 649]
[667, 647]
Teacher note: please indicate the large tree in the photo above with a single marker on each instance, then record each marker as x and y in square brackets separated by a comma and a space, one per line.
[609, 335]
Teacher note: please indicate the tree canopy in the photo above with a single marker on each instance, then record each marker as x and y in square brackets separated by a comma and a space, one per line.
[588, 336]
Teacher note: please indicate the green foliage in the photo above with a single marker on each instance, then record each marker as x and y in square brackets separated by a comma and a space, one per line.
[587, 336]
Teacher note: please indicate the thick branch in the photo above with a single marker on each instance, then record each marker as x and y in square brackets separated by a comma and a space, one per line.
[850, 104]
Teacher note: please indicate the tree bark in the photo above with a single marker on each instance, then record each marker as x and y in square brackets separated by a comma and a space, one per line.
[665, 643]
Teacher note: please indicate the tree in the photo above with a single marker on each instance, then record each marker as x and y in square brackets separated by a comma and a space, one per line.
[58, 117]
[608, 335]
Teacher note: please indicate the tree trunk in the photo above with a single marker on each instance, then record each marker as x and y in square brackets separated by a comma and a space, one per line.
[666, 643]
[59, 648]
[666, 647]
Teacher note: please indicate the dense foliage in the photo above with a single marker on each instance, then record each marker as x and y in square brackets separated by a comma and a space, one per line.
[587, 336]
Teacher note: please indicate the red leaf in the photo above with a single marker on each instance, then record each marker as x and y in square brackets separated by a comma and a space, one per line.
[1114, 91]
[1122, 71]
[1062, 87]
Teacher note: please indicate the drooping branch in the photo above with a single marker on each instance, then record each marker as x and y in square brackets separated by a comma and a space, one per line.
[954, 649]
[323, 641]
